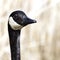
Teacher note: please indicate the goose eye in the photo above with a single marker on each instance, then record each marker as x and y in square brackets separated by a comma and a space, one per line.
[23, 16]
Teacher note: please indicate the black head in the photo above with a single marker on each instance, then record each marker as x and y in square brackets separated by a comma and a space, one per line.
[19, 18]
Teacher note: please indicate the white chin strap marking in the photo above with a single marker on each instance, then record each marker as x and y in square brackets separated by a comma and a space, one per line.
[14, 25]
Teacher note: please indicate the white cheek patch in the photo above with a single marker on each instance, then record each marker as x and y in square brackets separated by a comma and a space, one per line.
[14, 25]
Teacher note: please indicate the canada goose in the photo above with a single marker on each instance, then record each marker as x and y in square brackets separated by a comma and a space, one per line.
[16, 21]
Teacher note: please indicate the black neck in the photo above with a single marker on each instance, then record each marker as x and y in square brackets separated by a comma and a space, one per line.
[14, 36]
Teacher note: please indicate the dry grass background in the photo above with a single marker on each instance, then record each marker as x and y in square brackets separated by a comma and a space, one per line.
[40, 41]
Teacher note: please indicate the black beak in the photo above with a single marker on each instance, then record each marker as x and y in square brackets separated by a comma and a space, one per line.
[29, 21]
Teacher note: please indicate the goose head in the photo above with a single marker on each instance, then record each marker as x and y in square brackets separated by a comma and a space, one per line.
[18, 20]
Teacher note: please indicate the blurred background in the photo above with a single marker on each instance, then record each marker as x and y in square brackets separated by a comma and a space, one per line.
[40, 41]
